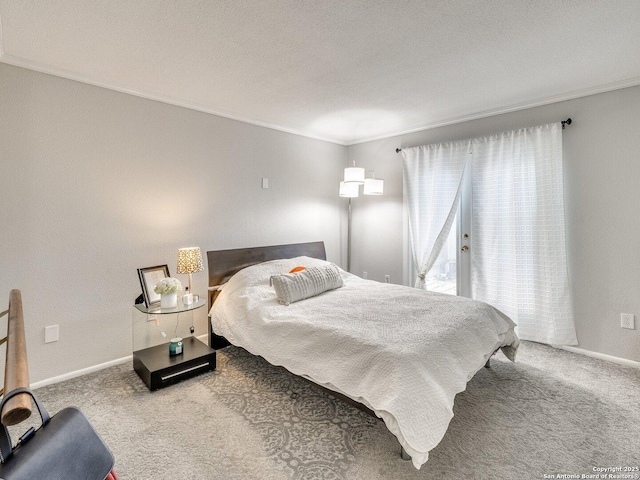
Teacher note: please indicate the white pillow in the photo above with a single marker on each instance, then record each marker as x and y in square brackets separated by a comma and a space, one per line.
[292, 287]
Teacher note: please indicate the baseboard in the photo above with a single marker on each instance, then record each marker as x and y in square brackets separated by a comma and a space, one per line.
[82, 371]
[94, 368]
[602, 356]
[119, 361]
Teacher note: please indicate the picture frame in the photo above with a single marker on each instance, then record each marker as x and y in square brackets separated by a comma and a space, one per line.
[149, 276]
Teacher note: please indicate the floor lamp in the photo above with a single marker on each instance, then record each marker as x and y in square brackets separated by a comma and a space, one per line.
[350, 188]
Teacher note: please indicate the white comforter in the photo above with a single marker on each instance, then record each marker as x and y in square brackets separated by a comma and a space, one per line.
[404, 353]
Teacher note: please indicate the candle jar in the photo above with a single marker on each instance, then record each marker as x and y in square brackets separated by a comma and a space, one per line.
[176, 347]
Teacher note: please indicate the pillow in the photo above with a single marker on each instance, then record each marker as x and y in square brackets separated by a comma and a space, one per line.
[292, 287]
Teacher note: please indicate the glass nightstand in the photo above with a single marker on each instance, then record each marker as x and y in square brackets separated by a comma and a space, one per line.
[150, 322]
[151, 358]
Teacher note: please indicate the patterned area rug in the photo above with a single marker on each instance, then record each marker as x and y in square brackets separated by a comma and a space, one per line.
[552, 412]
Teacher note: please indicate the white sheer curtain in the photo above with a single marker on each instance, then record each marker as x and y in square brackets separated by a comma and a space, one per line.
[518, 255]
[432, 177]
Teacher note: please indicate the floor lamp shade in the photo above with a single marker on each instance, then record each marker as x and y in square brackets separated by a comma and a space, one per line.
[349, 189]
[354, 175]
[373, 186]
[190, 261]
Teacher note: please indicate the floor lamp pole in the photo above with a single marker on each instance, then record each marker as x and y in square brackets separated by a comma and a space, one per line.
[349, 239]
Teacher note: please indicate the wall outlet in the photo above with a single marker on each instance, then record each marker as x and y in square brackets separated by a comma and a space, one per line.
[51, 333]
[387, 279]
[365, 275]
[628, 320]
[265, 182]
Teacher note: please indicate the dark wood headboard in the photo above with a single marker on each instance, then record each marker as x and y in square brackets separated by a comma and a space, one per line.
[223, 264]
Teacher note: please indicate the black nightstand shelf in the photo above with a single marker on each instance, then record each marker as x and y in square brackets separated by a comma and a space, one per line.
[157, 369]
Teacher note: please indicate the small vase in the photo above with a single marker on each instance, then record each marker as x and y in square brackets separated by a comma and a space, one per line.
[169, 300]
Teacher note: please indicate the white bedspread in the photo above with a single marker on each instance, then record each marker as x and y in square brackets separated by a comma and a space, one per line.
[404, 353]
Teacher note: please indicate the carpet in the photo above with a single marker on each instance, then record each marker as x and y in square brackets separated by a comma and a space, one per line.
[552, 412]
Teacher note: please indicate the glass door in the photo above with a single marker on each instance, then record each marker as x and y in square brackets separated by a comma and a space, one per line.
[444, 274]
[463, 235]
[451, 273]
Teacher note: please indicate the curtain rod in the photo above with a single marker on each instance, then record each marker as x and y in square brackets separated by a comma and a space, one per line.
[563, 122]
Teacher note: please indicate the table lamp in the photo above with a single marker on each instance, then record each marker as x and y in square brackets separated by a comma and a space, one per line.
[190, 261]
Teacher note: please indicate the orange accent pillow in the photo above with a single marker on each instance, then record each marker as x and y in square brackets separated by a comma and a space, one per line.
[297, 269]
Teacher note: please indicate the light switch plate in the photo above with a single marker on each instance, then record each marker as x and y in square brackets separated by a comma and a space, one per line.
[265, 182]
[51, 333]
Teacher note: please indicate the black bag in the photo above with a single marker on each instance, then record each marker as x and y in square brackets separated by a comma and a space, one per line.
[64, 447]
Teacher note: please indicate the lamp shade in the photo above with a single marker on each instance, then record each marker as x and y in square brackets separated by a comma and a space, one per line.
[354, 175]
[190, 260]
[349, 189]
[373, 186]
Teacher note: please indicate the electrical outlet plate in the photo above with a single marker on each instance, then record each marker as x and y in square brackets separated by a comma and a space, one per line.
[628, 320]
[365, 275]
[387, 279]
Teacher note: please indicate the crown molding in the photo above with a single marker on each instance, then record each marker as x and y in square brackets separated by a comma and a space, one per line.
[609, 87]
[59, 72]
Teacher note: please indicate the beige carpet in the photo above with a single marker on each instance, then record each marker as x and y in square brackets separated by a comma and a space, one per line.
[552, 412]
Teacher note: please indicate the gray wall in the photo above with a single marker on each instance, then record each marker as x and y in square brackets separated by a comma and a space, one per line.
[95, 183]
[602, 178]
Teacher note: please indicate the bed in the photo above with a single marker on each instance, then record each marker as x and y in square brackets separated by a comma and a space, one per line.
[400, 353]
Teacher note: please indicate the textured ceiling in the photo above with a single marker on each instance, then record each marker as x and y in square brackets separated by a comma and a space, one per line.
[345, 71]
